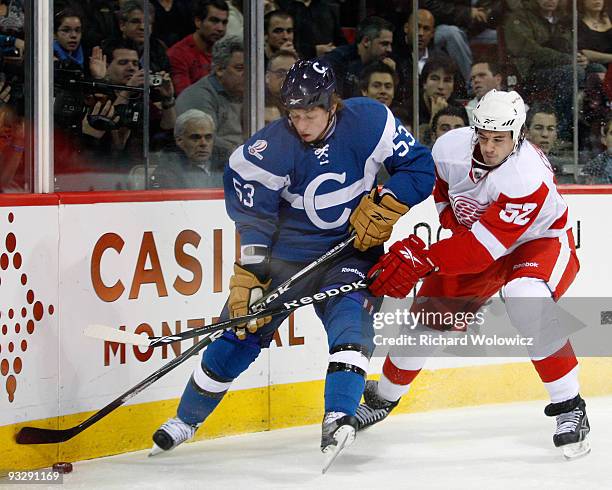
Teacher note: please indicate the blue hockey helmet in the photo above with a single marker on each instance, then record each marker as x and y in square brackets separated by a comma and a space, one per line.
[309, 83]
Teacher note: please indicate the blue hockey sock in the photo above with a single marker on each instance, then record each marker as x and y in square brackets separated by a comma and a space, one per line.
[195, 406]
[343, 391]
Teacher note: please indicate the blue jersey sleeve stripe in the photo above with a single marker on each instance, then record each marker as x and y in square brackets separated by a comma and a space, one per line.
[252, 173]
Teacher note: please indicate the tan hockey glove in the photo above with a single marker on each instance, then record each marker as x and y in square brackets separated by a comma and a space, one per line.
[246, 289]
[373, 219]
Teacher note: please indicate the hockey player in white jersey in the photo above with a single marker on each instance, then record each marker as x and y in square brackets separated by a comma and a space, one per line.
[295, 189]
[496, 192]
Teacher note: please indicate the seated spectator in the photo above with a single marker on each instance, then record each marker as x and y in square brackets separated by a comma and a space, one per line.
[539, 42]
[378, 81]
[278, 33]
[191, 57]
[485, 76]
[68, 52]
[542, 130]
[190, 166]
[595, 31]
[172, 20]
[276, 71]
[541, 124]
[220, 95]
[451, 117]
[404, 51]
[317, 24]
[373, 42]
[437, 86]
[132, 27]
[454, 21]
[599, 169]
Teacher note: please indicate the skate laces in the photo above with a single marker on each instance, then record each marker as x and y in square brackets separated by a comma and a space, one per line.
[178, 430]
[367, 415]
[569, 421]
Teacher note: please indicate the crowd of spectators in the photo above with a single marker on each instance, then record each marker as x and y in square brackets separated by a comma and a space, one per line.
[194, 74]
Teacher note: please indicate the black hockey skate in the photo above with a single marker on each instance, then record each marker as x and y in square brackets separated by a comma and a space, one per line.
[374, 408]
[572, 427]
[171, 434]
[338, 431]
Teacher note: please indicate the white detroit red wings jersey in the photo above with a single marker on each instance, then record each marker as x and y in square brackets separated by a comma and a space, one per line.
[503, 208]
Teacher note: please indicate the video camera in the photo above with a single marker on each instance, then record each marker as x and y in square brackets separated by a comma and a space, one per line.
[75, 97]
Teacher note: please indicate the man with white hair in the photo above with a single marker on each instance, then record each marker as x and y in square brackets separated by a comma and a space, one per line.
[495, 192]
[191, 167]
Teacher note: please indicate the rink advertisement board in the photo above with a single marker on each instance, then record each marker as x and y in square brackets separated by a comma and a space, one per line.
[160, 263]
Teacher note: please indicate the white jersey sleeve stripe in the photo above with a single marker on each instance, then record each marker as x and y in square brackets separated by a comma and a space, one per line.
[250, 172]
[561, 263]
[383, 150]
[488, 240]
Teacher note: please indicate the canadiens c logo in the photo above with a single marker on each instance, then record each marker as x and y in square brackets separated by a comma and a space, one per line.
[318, 68]
[311, 200]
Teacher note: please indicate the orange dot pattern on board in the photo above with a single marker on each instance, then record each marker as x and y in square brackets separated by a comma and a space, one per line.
[11, 360]
[11, 242]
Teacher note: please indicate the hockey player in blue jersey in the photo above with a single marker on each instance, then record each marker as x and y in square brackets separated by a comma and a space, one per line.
[295, 189]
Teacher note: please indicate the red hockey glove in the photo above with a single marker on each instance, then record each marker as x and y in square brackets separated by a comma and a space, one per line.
[400, 268]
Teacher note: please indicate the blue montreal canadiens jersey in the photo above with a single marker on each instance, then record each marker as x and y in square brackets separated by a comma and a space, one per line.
[297, 199]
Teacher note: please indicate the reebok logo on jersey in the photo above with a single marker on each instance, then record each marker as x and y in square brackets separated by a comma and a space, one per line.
[525, 264]
[257, 148]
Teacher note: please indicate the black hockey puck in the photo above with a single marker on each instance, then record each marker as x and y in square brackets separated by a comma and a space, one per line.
[62, 467]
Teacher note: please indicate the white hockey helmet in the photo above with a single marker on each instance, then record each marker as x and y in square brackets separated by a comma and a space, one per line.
[501, 111]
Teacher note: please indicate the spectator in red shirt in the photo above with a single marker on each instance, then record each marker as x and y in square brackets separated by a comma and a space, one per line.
[191, 57]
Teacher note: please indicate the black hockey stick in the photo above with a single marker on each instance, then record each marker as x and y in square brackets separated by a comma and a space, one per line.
[113, 335]
[35, 435]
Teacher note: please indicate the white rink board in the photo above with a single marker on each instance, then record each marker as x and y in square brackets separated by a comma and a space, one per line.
[63, 277]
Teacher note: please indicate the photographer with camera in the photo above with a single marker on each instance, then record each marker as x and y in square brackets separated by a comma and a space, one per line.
[109, 136]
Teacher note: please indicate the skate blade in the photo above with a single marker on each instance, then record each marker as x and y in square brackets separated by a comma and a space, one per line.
[345, 435]
[155, 450]
[576, 450]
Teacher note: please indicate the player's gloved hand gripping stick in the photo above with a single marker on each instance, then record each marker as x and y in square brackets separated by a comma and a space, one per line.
[35, 435]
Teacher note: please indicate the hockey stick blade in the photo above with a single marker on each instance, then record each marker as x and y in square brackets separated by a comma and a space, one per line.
[36, 435]
[110, 334]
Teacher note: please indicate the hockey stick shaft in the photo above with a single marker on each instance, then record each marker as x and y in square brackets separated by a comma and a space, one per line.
[326, 257]
[113, 335]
